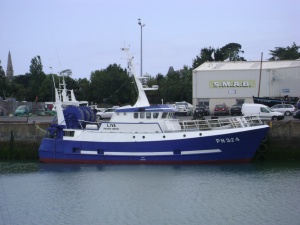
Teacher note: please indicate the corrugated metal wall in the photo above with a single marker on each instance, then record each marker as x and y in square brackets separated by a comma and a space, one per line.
[274, 83]
[203, 79]
[285, 81]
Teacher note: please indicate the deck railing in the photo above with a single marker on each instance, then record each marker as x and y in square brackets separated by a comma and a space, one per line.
[220, 123]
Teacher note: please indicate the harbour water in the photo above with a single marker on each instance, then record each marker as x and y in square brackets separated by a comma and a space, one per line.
[257, 193]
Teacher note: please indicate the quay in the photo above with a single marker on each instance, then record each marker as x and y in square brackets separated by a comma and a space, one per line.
[20, 138]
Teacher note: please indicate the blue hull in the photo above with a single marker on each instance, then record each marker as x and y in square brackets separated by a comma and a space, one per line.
[234, 147]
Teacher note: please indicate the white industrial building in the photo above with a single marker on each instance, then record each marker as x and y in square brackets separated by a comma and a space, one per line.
[236, 82]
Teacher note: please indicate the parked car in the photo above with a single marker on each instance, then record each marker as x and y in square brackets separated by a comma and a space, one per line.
[221, 109]
[22, 110]
[96, 109]
[201, 111]
[286, 109]
[106, 114]
[296, 114]
[183, 109]
[43, 112]
[236, 110]
[264, 112]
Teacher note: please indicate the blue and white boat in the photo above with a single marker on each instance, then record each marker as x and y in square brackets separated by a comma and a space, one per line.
[274, 101]
[145, 134]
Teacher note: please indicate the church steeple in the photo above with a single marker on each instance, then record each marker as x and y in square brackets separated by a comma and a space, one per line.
[9, 70]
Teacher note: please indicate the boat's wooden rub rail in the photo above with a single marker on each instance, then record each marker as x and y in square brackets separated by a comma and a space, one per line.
[221, 123]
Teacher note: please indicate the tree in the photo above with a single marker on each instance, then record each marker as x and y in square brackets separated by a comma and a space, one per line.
[23, 80]
[159, 77]
[66, 72]
[46, 89]
[287, 53]
[205, 55]
[71, 83]
[2, 73]
[186, 84]
[112, 86]
[230, 51]
[84, 92]
[3, 82]
[170, 88]
[37, 77]
[22, 87]
[36, 66]
[153, 96]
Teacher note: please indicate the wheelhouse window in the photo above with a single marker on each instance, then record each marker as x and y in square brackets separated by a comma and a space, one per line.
[135, 115]
[142, 115]
[164, 115]
[148, 115]
[69, 133]
[170, 115]
[155, 115]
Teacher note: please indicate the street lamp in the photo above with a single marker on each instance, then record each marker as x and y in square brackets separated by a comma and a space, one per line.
[142, 25]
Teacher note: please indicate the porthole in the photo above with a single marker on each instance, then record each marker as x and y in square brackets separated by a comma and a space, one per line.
[184, 135]
[200, 134]
[133, 136]
[143, 136]
[164, 136]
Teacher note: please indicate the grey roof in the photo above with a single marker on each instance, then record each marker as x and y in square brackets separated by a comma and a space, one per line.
[247, 65]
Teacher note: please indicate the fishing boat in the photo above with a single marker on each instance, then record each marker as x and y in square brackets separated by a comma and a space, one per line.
[145, 134]
[273, 101]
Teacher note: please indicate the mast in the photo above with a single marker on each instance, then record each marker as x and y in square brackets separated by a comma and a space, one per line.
[142, 100]
[260, 74]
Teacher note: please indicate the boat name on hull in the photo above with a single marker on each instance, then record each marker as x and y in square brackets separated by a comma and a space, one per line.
[227, 140]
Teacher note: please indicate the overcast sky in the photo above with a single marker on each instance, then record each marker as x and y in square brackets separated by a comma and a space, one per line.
[86, 35]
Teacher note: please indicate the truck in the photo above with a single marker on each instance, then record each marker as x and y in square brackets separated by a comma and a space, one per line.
[264, 112]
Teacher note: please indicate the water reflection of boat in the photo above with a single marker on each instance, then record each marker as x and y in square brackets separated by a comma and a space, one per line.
[273, 101]
[146, 134]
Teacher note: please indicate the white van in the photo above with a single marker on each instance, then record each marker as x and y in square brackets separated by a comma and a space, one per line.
[264, 112]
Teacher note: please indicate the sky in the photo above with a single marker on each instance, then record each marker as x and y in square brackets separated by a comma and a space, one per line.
[87, 35]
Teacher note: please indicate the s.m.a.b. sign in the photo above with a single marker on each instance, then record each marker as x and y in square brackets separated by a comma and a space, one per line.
[232, 83]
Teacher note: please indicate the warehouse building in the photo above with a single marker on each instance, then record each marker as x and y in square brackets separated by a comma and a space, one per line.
[236, 82]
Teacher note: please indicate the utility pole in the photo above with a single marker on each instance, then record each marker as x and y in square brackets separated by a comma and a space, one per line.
[142, 25]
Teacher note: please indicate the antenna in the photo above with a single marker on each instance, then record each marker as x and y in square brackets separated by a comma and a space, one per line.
[52, 76]
[53, 82]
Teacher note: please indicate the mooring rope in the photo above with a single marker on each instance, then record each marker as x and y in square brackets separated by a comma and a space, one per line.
[40, 128]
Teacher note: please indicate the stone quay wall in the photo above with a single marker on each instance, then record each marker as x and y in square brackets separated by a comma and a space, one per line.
[281, 133]
[284, 136]
[23, 132]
